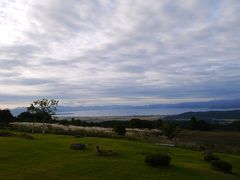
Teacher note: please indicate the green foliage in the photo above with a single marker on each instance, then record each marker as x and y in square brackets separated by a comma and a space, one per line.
[104, 152]
[5, 118]
[25, 116]
[210, 157]
[201, 125]
[78, 146]
[170, 129]
[222, 166]
[120, 130]
[6, 134]
[193, 124]
[236, 125]
[27, 136]
[138, 123]
[37, 117]
[45, 108]
[157, 160]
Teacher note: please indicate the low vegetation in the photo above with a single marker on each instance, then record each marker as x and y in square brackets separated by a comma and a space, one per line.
[49, 157]
[210, 157]
[22, 154]
[222, 166]
[157, 160]
[78, 146]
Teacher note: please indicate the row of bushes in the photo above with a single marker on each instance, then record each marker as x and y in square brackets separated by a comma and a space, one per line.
[164, 159]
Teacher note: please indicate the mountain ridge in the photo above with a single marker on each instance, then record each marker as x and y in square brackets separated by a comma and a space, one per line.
[217, 104]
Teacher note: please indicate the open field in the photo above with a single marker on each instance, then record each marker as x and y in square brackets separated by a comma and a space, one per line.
[112, 118]
[220, 141]
[49, 157]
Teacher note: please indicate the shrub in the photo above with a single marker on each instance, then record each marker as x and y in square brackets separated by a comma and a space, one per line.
[210, 157]
[7, 134]
[78, 146]
[104, 152]
[27, 136]
[120, 130]
[222, 166]
[78, 136]
[156, 160]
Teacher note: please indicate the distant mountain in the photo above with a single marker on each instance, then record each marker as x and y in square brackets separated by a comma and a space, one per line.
[219, 104]
[17, 111]
[234, 114]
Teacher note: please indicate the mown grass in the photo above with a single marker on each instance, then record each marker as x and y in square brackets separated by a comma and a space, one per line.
[49, 157]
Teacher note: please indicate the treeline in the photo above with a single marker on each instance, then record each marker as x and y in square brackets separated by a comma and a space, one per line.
[133, 123]
[192, 124]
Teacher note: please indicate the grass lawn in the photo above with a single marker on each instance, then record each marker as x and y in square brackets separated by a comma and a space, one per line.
[49, 157]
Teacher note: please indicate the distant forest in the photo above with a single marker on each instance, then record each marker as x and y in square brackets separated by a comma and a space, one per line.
[234, 114]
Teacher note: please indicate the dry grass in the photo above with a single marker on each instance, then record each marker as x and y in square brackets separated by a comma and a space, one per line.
[215, 140]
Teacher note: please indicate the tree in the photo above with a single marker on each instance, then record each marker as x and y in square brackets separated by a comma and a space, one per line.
[201, 125]
[170, 130]
[44, 107]
[138, 123]
[236, 125]
[193, 123]
[5, 117]
[159, 123]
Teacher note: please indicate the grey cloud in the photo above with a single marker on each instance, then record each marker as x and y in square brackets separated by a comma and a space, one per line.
[128, 49]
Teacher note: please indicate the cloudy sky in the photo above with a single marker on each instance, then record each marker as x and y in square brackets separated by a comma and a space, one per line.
[90, 52]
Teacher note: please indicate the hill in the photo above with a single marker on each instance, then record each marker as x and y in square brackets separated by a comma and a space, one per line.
[234, 114]
[49, 157]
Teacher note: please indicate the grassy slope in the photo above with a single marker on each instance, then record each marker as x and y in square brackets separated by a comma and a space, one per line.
[49, 157]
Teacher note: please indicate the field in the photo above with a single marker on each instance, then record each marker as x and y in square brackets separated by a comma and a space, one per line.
[49, 157]
[217, 140]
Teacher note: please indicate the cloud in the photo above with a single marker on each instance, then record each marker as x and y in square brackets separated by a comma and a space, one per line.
[111, 52]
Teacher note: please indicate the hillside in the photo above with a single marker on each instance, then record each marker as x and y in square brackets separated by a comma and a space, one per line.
[49, 157]
[234, 114]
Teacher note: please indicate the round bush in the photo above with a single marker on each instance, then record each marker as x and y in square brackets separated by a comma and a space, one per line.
[156, 160]
[222, 166]
[78, 136]
[210, 157]
[78, 146]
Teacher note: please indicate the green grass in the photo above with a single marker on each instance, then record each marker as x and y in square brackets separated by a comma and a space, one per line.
[49, 157]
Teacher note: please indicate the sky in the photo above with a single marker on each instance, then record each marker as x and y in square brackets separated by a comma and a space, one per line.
[104, 52]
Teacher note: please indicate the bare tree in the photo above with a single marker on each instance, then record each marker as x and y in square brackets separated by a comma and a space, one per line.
[44, 107]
